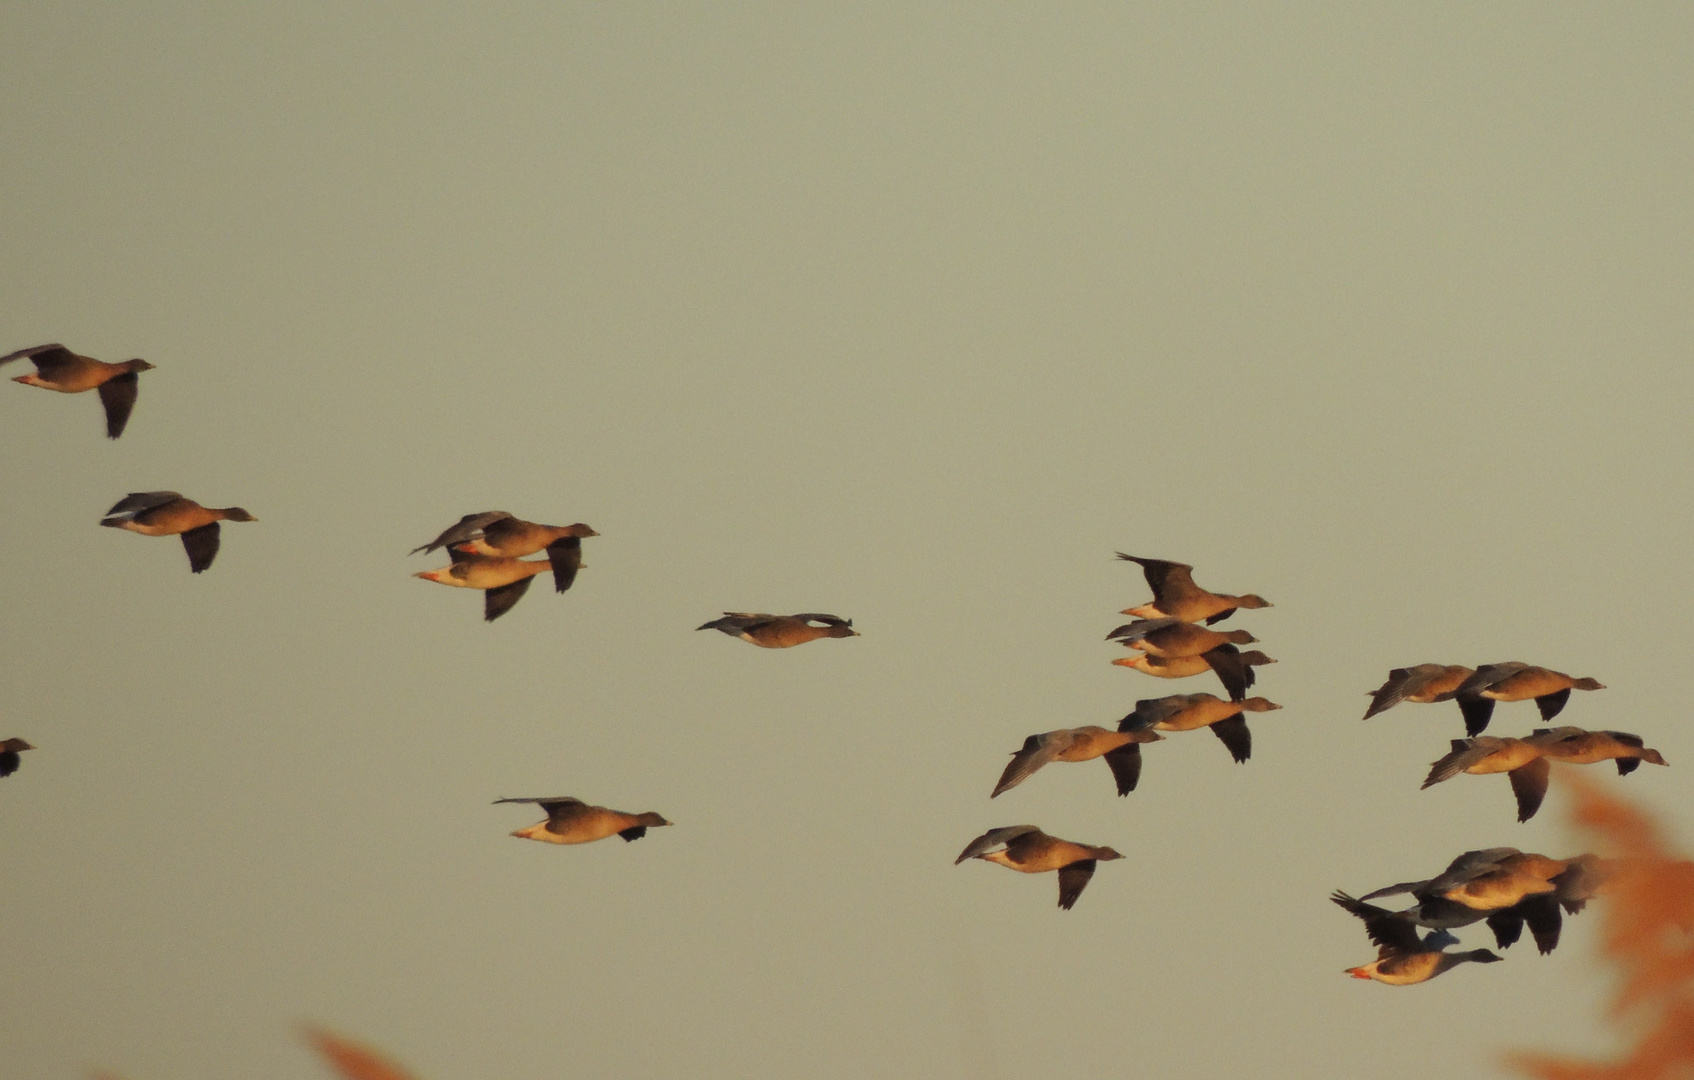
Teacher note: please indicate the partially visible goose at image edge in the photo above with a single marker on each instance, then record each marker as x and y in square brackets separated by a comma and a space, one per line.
[780, 631]
[57, 368]
[1026, 848]
[572, 821]
[497, 534]
[9, 751]
[1176, 596]
[1121, 750]
[166, 513]
[503, 581]
[1421, 683]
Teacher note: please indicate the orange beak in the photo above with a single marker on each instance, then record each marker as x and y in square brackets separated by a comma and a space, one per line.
[1358, 973]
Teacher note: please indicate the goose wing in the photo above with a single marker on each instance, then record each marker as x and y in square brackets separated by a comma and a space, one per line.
[201, 545]
[496, 602]
[566, 557]
[118, 397]
[467, 528]
[1072, 880]
[1037, 750]
[994, 839]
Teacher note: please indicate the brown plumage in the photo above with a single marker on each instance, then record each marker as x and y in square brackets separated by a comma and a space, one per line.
[503, 581]
[1233, 667]
[1403, 957]
[497, 534]
[1176, 596]
[1122, 751]
[780, 631]
[57, 368]
[1028, 849]
[1190, 712]
[1421, 683]
[166, 513]
[1515, 681]
[1174, 639]
[572, 821]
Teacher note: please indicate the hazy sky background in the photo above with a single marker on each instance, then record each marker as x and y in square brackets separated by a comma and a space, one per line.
[911, 316]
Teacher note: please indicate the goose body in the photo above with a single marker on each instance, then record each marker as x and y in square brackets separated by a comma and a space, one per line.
[1422, 683]
[1027, 849]
[166, 513]
[1515, 681]
[502, 581]
[1191, 712]
[1176, 596]
[497, 534]
[780, 631]
[57, 368]
[1574, 746]
[1174, 639]
[572, 821]
[1404, 958]
[1233, 667]
[1122, 751]
[1484, 755]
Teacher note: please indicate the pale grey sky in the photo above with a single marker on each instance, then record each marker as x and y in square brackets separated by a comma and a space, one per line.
[912, 316]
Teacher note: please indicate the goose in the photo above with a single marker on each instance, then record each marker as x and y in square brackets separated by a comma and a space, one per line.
[1190, 712]
[1422, 683]
[1027, 848]
[1482, 755]
[1176, 596]
[1404, 958]
[498, 534]
[572, 821]
[9, 751]
[166, 513]
[502, 581]
[780, 631]
[1574, 746]
[1174, 639]
[57, 368]
[1122, 751]
[1233, 667]
[1515, 681]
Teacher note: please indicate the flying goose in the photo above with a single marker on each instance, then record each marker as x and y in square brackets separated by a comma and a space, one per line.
[1233, 667]
[572, 821]
[57, 368]
[1176, 596]
[9, 751]
[1482, 755]
[1122, 751]
[1403, 957]
[1515, 681]
[1422, 683]
[1174, 639]
[780, 631]
[498, 534]
[502, 581]
[1190, 712]
[166, 513]
[1574, 746]
[1027, 848]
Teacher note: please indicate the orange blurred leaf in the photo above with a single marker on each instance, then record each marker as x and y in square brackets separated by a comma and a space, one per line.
[353, 1061]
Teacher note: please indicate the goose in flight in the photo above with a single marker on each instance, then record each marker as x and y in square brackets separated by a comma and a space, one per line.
[9, 751]
[498, 534]
[1403, 957]
[572, 821]
[780, 631]
[1122, 751]
[1191, 712]
[1233, 667]
[1027, 848]
[166, 513]
[1421, 683]
[1176, 596]
[57, 368]
[1515, 681]
[502, 581]
[1174, 639]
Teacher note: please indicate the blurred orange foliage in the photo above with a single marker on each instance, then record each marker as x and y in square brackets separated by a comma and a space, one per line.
[1647, 934]
[354, 1061]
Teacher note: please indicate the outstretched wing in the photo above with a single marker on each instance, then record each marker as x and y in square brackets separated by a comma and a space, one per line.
[994, 838]
[1151, 711]
[496, 602]
[137, 502]
[118, 396]
[1389, 931]
[1166, 579]
[201, 545]
[1234, 734]
[1457, 760]
[1529, 784]
[1139, 629]
[1037, 750]
[1125, 763]
[468, 527]
[1072, 880]
[1236, 676]
[46, 357]
[1477, 711]
[566, 557]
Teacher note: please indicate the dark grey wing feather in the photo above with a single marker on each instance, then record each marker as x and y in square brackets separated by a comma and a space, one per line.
[496, 602]
[1236, 676]
[1478, 711]
[1545, 923]
[9, 762]
[992, 839]
[1072, 880]
[1529, 784]
[1234, 734]
[1035, 752]
[634, 832]
[31, 353]
[1125, 763]
[1164, 578]
[118, 396]
[1454, 763]
[1391, 693]
[1507, 926]
[467, 528]
[1386, 929]
[1220, 616]
[566, 557]
[829, 620]
[47, 358]
[201, 545]
[1551, 704]
[138, 501]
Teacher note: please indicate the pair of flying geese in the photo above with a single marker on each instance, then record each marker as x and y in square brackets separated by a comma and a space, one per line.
[1526, 761]
[1173, 645]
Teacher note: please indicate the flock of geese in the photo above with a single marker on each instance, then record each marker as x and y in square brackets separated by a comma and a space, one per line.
[1171, 638]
